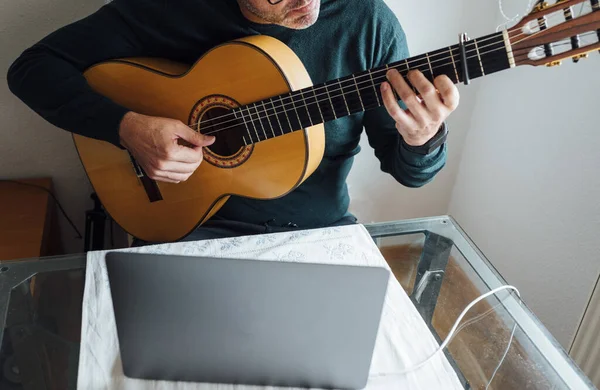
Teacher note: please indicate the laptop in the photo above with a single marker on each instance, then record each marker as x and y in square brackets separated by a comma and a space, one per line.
[240, 321]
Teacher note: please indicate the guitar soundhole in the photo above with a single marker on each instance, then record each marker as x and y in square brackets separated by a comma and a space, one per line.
[228, 131]
[212, 115]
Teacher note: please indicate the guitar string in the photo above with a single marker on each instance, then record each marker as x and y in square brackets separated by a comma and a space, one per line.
[353, 94]
[308, 102]
[518, 52]
[336, 108]
[291, 105]
[289, 97]
[352, 100]
[368, 106]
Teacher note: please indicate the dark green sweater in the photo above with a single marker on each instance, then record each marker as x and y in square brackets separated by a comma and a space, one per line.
[350, 36]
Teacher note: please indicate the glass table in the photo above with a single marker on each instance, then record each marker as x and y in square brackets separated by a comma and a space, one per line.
[499, 344]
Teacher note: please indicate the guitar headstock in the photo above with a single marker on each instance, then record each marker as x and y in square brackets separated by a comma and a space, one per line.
[551, 33]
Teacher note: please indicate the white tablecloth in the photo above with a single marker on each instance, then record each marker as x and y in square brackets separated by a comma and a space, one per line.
[402, 341]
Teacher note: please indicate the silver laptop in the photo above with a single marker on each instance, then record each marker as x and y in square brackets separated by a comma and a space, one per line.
[237, 321]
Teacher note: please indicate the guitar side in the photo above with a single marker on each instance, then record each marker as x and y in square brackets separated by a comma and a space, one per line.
[241, 72]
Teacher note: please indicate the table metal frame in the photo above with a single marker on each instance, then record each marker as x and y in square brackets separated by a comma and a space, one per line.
[440, 232]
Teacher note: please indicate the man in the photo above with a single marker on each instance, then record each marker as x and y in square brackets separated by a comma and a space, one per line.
[332, 38]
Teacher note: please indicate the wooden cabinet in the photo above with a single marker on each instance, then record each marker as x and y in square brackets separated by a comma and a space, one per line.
[28, 225]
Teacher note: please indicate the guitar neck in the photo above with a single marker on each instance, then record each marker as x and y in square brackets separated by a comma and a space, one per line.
[360, 92]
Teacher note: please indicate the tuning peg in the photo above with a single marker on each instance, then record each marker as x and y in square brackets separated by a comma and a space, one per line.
[554, 63]
[580, 56]
[540, 6]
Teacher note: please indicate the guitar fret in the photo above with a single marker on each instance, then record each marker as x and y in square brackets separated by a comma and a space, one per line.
[268, 118]
[430, 68]
[496, 57]
[330, 101]
[344, 96]
[286, 114]
[253, 125]
[358, 91]
[374, 88]
[318, 105]
[260, 121]
[306, 105]
[245, 125]
[296, 109]
[411, 86]
[276, 116]
[387, 68]
[479, 57]
[454, 64]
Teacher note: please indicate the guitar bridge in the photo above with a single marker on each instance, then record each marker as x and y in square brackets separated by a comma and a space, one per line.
[150, 186]
[136, 167]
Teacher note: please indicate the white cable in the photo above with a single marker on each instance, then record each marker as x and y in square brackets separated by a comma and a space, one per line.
[512, 334]
[451, 333]
[510, 20]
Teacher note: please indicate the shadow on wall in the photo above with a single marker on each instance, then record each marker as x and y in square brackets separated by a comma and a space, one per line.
[29, 146]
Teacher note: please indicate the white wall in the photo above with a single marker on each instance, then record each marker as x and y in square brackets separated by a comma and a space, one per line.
[30, 147]
[429, 25]
[527, 190]
[376, 196]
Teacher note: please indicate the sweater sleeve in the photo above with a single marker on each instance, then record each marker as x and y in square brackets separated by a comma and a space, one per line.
[408, 168]
[48, 76]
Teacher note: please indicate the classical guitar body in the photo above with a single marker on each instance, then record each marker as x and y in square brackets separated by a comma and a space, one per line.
[231, 75]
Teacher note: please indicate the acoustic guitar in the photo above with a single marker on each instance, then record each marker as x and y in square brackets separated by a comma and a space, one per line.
[256, 97]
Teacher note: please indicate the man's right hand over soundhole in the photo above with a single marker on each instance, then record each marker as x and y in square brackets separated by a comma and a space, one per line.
[156, 144]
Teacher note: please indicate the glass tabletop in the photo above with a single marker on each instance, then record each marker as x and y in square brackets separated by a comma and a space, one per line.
[499, 344]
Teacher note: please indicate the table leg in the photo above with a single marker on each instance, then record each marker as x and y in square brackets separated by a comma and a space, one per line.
[430, 276]
[28, 354]
[15, 273]
[17, 318]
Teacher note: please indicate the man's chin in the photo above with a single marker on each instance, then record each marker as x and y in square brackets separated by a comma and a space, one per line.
[304, 21]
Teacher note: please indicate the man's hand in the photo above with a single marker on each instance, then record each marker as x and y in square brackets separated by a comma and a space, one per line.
[154, 143]
[424, 117]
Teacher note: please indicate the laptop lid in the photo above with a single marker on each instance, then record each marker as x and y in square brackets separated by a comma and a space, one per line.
[239, 321]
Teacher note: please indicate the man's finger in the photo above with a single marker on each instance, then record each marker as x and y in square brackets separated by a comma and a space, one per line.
[170, 177]
[426, 89]
[393, 108]
[195, 138]
[178, 167]
[185, 154]
[448, 91]
[407, 95]
[163, 179]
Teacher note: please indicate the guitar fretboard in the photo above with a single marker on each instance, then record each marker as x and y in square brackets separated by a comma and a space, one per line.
[360, 92]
